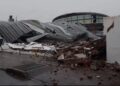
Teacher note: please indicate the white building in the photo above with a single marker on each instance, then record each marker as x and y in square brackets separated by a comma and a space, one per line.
[112, 32]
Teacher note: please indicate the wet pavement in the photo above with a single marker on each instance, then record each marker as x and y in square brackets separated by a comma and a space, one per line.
[55, 74]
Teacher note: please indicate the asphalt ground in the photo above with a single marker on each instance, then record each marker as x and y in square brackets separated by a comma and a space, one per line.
[55, 74]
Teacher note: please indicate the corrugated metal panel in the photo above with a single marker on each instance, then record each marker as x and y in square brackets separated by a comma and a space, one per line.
[6, 33]
[34, 38]
[24, 27]
[11, 31]
[33, 22]
[2, 33]
[18, 30]
[35, 28]
[76, 30]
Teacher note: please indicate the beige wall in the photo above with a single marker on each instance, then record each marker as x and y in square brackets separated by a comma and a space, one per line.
[113, 39]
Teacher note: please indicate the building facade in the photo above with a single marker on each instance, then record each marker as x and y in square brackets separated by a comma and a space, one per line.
[93, 21]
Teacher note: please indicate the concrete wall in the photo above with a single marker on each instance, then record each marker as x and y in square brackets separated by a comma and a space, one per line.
[113, 38]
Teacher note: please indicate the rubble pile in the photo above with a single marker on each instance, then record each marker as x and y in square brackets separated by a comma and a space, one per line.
[81, 52]
[33, 46]
[114, 67]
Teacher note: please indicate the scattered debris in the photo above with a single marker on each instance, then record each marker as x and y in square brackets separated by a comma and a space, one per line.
[55, 84]
[114, 74]
[98, 76]
[89, 77]
[61, 57]
[33, 46]
[79, 56]
[82, 53]
[109, 78]
[116, 67]
[93, 67]
[81, 79]
[99, 83]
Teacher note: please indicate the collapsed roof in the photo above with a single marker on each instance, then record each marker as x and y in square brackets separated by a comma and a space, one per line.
[13, 31]
[32, 30]
[76, 30]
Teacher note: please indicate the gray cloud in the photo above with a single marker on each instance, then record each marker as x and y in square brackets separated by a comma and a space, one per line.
[46, 10]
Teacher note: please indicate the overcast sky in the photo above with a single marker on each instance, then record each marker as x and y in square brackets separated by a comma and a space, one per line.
[46, 10]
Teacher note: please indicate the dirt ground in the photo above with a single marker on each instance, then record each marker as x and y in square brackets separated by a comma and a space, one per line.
[54, 74]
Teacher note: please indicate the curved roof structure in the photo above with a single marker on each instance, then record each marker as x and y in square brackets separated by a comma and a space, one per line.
[78, 13]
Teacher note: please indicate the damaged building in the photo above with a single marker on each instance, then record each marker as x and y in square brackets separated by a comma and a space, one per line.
[33, 30]
[49, 53]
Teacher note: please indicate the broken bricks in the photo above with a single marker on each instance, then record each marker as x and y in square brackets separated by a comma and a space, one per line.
[61, 57]
[78, 54]
[89, 76]
[98, 76]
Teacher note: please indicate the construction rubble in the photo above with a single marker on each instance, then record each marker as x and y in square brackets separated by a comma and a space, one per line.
[84, 59]
[33, 46]
[82, 53]
[75, 54]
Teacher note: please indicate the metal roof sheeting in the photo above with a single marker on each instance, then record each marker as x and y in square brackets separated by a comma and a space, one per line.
[76, 31]
[23, 30]
[11, 31]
